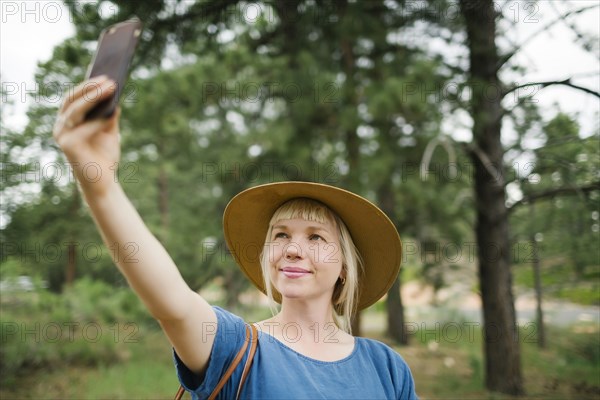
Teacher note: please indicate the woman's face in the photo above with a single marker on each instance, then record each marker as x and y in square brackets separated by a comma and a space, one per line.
[305, 258]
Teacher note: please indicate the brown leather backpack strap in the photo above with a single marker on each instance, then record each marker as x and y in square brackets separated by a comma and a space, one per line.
[180, 393]
[253, 346]
[232, 367]
[227, 375]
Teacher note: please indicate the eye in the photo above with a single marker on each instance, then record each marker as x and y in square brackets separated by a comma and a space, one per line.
[314, 236]
[280, 235]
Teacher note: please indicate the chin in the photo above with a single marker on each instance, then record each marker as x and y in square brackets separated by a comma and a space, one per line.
[291, 293]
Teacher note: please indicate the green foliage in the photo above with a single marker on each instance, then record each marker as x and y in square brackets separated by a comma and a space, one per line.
[589, 295]
[582, 348]
[91, 324]
[96, 301]
[566, 228]
[561, 281]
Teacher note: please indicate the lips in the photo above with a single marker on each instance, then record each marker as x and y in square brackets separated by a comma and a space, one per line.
[294, 272]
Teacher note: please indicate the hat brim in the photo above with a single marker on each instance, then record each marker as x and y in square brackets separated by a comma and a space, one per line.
[247, 216]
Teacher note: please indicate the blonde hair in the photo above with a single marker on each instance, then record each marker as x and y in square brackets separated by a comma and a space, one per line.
[345, 295]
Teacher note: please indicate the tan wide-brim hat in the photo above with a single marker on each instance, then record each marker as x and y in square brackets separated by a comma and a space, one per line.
[247, 216]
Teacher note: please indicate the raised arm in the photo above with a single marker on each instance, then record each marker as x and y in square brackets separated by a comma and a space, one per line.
[141, 258]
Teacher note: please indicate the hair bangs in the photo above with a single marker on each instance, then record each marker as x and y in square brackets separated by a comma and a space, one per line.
[306, 209]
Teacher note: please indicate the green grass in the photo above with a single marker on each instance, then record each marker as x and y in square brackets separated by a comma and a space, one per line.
[569, 368]
[587, 295]
[147, 374]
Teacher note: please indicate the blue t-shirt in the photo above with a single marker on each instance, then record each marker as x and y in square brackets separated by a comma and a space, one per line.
[372, 371]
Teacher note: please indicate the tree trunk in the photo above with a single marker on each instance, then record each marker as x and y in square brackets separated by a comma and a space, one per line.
[355, 324]
[350, 100]
[232, 286]
[538, 286]
[395, 309]
[395, 313]
[502, 353]
[71, 263]
[538, 294]
[577, 246]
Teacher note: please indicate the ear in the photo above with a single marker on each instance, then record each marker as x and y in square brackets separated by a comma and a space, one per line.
[342, 277]
[343, 272]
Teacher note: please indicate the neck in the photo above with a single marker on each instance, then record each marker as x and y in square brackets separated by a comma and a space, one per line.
[305, 313]
[305, 321]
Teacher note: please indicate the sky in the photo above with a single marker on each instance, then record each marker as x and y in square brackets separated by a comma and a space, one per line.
[30, 29]
[28, 33]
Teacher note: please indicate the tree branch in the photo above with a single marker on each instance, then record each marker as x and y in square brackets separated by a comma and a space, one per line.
[573, 28]
[485, 161]
[563, 191]
[566, 82]
[508, 56]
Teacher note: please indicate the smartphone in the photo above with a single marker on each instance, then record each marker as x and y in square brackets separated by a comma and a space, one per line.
[116, 47]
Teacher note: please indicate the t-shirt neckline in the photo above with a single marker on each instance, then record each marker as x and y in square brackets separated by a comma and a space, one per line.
[288, 348]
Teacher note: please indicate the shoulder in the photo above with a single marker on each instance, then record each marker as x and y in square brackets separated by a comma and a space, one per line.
[377, 346]
[380, 351]
[228, 333]
[226, 316]
[388, 363]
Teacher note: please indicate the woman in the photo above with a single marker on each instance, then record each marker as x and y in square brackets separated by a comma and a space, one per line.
[320, 251]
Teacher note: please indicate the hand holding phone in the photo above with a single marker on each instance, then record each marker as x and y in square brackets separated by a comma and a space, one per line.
[116, 47]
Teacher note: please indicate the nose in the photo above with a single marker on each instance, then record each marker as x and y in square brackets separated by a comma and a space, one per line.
[292, 251]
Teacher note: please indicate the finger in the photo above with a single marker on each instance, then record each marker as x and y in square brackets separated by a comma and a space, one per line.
[61, 125]
[85, 131]
[58, 126]
[67, 117]
[75, 113]
[66, 139]
[80, 90]
[72, 94]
